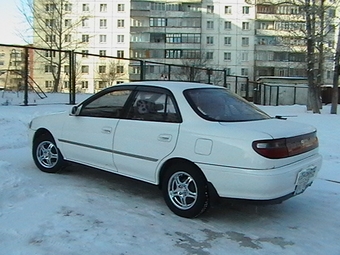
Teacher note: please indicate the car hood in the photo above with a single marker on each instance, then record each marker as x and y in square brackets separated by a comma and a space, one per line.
[275, 128]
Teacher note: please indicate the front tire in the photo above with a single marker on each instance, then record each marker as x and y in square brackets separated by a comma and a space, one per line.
[46, 155]
[185, 190]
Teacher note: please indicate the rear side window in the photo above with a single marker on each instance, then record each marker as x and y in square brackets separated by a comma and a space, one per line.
[153, 106]
[218, 104]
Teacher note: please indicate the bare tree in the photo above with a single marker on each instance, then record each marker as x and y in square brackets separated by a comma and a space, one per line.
[110, 71]
[311, 21]
[53, 28]
[194, 68]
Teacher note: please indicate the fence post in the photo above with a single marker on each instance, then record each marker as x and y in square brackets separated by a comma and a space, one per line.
[247, 88]
[142, 70]
[236, 81]
[264, 93]
[26, 77]
[169, 72]
[225, 77]
[72, 77]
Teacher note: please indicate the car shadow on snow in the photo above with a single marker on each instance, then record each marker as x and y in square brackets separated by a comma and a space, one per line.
[221, 209]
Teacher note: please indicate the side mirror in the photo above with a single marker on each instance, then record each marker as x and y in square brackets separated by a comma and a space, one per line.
[74, 111]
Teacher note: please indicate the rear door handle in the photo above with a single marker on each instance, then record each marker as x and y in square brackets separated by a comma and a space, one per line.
[164, 137]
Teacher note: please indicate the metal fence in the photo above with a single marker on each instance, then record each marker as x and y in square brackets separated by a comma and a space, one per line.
[40, 70]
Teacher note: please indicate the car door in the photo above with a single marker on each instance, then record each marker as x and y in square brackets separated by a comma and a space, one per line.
[87, 136]
[147, 134]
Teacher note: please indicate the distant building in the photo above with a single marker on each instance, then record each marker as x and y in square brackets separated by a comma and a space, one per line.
[244, 37]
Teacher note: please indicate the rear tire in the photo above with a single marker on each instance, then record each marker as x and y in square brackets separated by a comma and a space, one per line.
[185, 190]
[46, 155]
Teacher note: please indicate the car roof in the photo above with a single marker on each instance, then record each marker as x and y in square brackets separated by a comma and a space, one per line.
[171, 85]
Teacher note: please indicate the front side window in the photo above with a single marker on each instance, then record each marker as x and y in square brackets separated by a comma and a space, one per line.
[217, 104]
[109, 105]
[154, 106]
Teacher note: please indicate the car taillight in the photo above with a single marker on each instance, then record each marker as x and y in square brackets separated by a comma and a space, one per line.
[286, 147]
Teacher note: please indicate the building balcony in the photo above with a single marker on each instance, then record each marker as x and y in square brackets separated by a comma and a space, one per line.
[280, 48]
[273, 32]
[279, 64]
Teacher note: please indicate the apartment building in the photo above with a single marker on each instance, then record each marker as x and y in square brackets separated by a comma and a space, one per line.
[280, 44]
[245, 38]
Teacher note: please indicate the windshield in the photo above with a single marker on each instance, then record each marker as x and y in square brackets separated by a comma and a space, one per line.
[219, 104]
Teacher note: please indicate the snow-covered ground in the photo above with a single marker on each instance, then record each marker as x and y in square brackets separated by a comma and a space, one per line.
[85, 211]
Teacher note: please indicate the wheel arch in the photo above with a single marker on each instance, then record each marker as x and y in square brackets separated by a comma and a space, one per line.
[214, 196]
[173, 161]
[41, 132]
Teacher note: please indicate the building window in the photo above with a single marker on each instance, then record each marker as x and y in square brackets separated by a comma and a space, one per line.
[85, 38]
[244, 71]
[158, 6]
[49, 84]
[245, 9]
[244, 56]
[158, 22]
[49, 68]
[85, 22]
[103, 7]
[66, 84]
[103, 23]
[84, 69]
[50, 7]
[67, 22]
[102, 69]
[50, 54]
[210, 24]
[102, 84]
[120, 69]
[84, 84]
[210, 9]
[227, 56]
[50, 23]
[228, 72]
[68, 38]
[245, 41]
[68, 7]
[84, 53]
[86, 7]
[245, 25]
[102, 38]
[227, 9]
[120, 23]
[102, 53]
[50, 38]
[227, 25]
[173, 54]
[210, 55]
[227, 40]
[66, 69]
[121, 7]
[120, 53]
[120, 38]
[210, 40]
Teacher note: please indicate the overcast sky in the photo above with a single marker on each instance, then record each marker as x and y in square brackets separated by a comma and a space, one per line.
[12, 22]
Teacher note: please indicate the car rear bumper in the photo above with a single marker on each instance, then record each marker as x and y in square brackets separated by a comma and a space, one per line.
[269, 184]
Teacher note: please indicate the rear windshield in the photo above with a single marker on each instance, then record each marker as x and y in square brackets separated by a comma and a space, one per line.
[219, 104]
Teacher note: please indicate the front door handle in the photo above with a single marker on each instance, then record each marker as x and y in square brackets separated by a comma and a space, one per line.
[107, 130]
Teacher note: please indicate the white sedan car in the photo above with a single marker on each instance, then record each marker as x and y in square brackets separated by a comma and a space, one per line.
[194, 141]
